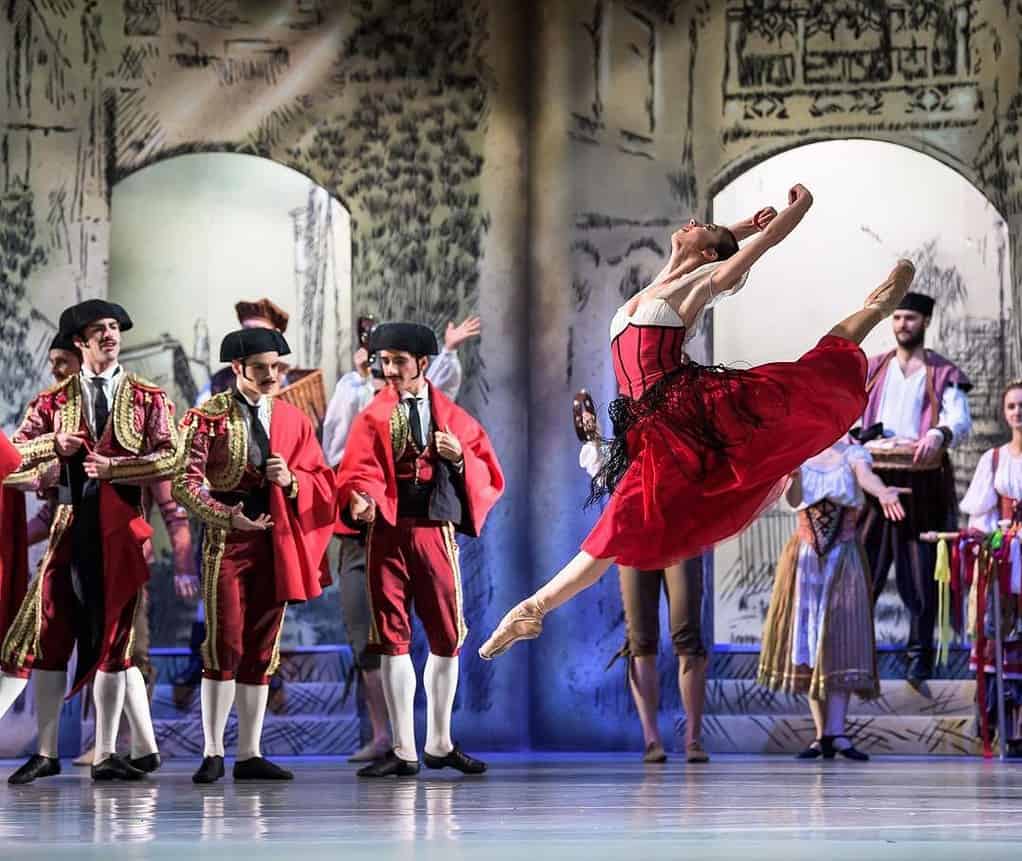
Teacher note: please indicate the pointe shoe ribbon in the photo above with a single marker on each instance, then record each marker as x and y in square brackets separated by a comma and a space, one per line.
[523, 622]
[888, 295]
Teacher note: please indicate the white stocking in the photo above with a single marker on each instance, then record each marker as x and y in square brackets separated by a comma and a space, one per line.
[50, 687]
[398, 676]
[441, 681]
[140, 718]
[250, 700]
[108, 695]
[217, 699]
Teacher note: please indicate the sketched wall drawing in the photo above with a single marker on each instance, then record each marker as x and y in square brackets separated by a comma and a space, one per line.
[417, 117]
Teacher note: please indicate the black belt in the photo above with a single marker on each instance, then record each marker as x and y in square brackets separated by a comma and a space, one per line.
[413, 499]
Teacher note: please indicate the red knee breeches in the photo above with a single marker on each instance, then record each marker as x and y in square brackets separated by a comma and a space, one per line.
[243, 616]
[415, 561]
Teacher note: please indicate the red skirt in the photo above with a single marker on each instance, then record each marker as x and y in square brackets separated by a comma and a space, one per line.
[675, 501]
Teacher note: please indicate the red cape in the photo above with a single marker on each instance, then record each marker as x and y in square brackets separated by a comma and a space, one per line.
[368, 462]
[301, 527]
[13, 539]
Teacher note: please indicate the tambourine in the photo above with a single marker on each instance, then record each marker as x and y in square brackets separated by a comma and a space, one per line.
[582, 404]
[365, 326]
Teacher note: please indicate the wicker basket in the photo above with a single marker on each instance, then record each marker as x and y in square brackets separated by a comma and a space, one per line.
[306, 390]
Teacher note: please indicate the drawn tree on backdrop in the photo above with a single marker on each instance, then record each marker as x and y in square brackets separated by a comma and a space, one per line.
[415, 137]
[19, 255]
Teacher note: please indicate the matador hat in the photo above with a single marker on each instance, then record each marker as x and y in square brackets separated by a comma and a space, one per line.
[918, 302]
[248, 342]
[265, 310]
[62, 342]
[411, 338]
[73, 320]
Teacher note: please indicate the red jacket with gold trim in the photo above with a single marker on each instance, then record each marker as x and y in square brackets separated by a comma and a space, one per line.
[369, 467]
[141, 442]
[214, 456]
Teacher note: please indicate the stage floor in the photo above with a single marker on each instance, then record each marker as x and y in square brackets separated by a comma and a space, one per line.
[535, 806]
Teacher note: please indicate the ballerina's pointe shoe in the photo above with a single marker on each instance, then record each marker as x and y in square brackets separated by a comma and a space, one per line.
[523, 622]
[888, 295]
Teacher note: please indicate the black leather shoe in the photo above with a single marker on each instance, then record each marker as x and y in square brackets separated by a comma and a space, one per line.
[390, 765]
[455, 759]
[148, 763]
[211, 770]
[258, 768]
[115, 767]
[36, 766]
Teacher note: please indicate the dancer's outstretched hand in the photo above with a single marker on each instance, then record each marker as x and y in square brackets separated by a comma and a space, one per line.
[762, 218]
[243, 523]
[799, 194]
[891, 505]
[455, 336]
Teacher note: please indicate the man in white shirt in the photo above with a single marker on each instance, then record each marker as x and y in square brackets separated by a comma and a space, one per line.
[354, 392]
[919, 398]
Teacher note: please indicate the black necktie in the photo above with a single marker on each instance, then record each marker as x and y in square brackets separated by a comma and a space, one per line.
[415, 423]
[259, 445]
[101, 406]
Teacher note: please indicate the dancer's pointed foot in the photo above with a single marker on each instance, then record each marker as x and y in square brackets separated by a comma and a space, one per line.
[523, 622]
[888, 295]
[654, 753]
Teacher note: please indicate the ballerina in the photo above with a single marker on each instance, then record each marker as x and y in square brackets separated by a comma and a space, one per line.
[699, 452]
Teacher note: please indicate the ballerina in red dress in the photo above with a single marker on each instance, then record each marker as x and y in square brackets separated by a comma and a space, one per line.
[699, 452]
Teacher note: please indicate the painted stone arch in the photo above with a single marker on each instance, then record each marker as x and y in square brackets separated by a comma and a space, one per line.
[355, 96]
[194, 233]
[905, 204]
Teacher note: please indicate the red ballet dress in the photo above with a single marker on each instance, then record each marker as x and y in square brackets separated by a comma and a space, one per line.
[704, 450]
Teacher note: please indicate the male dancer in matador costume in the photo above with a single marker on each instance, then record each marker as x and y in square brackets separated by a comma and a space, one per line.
[915, 395]
[416, 469]
[110, 432]
[252, 470]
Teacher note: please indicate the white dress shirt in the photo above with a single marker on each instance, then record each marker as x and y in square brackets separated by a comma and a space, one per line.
[980, 501]
[901, 405]
[113, 376]
[408, 401]
[263, 411]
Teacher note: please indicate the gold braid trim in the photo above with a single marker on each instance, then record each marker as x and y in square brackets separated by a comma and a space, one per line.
[40, 449]
[274, 664]
[129, 647]
[162, 467]
[194, 502]
[27, 478]
[229, 477]
[453, 556]
[71, 409]
[23, 636]
[213, 545]
[123, 413]
[399, 431]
